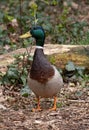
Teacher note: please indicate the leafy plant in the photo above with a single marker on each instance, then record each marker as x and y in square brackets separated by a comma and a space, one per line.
[60, 31]
[33, 11]
[75, 72]
[69, 30]
[25, 91]
[70, 66]
[17, 72]
[85, 39]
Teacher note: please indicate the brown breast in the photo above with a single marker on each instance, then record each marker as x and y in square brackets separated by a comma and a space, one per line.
[41, 69]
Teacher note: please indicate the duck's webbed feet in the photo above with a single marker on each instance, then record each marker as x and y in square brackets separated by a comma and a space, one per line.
[38, 106]
[54, 106]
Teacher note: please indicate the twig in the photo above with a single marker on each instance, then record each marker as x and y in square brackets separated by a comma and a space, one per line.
[79, 101]
[20, 16]
[29, 51]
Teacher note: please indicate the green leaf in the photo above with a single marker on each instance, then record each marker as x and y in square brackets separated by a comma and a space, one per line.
[59, 105]
[5, 80]
[70, 66]
[30, 58]
[12, 73]
[23, 78]
[80, 67]
[25, 91]
[80, 70]
[78, 93]
[7, 18]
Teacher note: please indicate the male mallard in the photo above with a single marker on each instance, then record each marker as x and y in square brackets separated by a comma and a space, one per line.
[44, 79]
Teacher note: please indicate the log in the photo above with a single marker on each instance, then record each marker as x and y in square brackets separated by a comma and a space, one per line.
[58, 55]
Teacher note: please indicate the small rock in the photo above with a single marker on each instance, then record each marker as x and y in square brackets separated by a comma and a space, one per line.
[71, 84]
[88, 93]
[38, 122]
[74, 5]
[2, 107]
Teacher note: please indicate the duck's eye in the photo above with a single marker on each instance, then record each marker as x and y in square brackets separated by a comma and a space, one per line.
[34, 28]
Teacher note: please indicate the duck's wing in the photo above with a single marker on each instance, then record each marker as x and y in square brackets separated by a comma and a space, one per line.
[41, 69]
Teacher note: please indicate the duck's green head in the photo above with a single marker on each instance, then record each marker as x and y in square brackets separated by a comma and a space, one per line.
[36, 32]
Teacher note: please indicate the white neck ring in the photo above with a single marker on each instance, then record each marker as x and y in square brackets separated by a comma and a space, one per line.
[39, 47]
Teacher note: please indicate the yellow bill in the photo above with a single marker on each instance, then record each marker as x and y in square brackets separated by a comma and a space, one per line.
[26, 35]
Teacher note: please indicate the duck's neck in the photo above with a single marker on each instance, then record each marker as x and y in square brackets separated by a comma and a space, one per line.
[41, 69]
[40, 42]
[39, 51]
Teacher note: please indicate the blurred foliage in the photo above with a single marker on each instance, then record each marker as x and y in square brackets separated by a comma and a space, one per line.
[17, 72]
[69, 31]
[59, 19]
[75, 73]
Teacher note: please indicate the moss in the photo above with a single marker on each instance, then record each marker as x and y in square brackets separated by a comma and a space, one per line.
[60, 60]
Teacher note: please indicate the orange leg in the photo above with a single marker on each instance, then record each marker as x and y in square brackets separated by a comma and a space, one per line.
[54, 106]
[38, 105]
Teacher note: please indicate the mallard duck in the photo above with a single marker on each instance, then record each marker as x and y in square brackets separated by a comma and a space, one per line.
[44, 79]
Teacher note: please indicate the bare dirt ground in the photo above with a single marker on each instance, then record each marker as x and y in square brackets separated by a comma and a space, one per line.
[72, 110]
